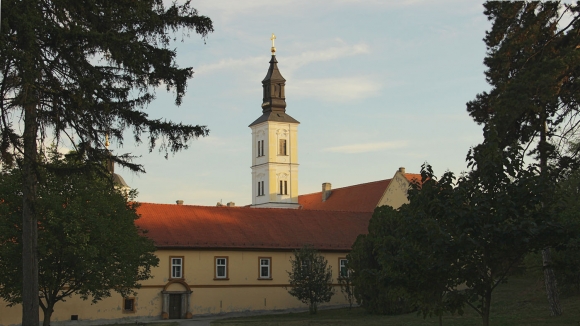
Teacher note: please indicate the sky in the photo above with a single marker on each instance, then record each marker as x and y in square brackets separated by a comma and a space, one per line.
[376, 85]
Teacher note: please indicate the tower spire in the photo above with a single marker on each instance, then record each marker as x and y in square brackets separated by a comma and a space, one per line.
[273, 85]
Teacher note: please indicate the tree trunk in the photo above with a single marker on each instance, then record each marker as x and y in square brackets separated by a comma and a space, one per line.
[486, 306]
[312, 308]
[47, 314]
[549, 276]
[551, 285]
[30, 314]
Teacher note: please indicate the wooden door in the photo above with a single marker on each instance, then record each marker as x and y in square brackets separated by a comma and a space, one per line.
[175, 306]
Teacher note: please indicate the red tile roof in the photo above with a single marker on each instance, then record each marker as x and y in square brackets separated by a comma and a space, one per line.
[359, 198]
[413, 177]
[184, 226]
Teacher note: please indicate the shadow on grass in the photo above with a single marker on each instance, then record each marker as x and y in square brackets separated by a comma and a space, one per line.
[521, 301]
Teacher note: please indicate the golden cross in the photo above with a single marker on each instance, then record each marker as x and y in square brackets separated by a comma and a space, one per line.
[273, 47]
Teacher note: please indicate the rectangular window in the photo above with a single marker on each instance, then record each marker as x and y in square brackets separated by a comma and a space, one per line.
[262, 147]
[343, 271]
[259, 150]
[129, 305]
[260, 188]
[283, 187]
[283, 147]
[176, 267]
[221, 268]
[265, 271]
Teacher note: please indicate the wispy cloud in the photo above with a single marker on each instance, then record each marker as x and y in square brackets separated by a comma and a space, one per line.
[295, 62]
[366, 147]
[335, 89]
[291, 63]
[231, 64]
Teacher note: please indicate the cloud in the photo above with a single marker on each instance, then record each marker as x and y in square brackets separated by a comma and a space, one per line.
[366, 147]
[335, 89]
[328, 54]
[291, 63]
[231, 64]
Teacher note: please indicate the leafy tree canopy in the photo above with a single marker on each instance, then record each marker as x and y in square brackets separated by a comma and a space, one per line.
[87, 241]
[310, 278]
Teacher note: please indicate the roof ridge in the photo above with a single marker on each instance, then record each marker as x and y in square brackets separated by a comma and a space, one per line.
[334, 211]
[224, 206]
[351, 186]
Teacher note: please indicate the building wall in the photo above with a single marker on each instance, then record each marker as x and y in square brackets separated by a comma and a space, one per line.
[243, 290]
[396, 193]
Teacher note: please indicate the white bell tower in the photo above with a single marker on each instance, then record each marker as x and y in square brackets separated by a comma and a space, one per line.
[274, 146]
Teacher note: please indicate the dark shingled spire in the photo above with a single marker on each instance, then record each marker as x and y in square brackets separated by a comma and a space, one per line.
[273, 87]
[274, 98]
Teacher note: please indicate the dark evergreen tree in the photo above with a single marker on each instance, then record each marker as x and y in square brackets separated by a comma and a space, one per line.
[88, 243]
[533, 65]
[79, 69]
[310, 278]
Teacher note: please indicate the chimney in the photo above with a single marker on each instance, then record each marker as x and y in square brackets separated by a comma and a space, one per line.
[326, 190]
[231, 204]
[179, 202]
[219, 204]
[402, 170]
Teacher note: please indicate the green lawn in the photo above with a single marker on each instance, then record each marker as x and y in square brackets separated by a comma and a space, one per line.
[522, 301]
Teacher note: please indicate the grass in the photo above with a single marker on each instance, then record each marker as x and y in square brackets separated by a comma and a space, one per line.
[148, 324]
[521, 301]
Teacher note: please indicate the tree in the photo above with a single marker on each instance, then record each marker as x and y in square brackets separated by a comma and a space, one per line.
[310, 278]
[470, 231]
[78, 70]
[533, 68]
[376, 289]
[346, 286]
[88, 243]
[566, 258]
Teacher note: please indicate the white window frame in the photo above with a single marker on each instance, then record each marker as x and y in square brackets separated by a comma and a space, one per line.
[219, 264]
[269, 266]
[342, 264]
[176, 267]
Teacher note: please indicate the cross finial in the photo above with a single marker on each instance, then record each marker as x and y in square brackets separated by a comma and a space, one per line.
[273, 47]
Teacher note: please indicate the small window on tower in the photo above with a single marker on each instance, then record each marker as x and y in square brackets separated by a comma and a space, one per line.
[260, 188]
[285, 187]
[260, 148]
[283, 147]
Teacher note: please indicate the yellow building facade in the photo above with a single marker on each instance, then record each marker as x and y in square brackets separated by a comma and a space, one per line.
[197, 292]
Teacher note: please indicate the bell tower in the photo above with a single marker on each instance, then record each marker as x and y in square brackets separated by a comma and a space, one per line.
[274, 146]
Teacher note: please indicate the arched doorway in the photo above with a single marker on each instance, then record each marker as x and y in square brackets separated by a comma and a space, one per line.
[176, 297]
